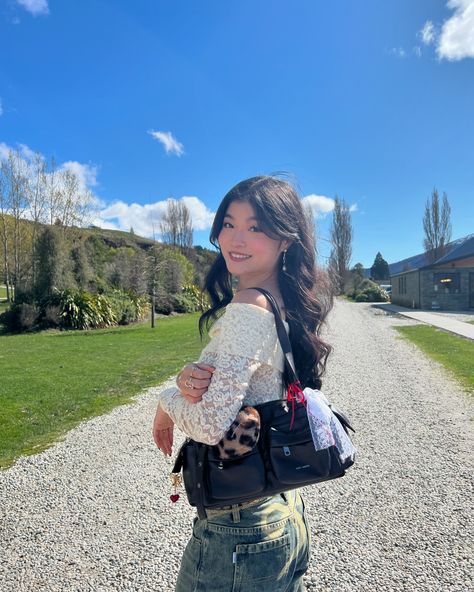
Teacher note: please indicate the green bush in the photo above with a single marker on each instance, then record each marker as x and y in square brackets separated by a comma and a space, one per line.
[198, 297]
[183, 303]
[190, 299]
[82, 310]
[369, 291]
[51, 316]
[21, 317]
[76, 309]
[128, 307]
[164, 304]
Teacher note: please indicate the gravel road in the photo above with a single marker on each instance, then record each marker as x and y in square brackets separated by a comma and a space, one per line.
[92, 512]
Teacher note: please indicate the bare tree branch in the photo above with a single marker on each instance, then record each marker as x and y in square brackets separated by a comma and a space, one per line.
[436, 226]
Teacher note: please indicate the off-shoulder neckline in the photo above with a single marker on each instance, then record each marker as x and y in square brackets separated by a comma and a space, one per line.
[255, 306]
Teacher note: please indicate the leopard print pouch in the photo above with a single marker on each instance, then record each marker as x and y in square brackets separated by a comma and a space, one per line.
[242, 435]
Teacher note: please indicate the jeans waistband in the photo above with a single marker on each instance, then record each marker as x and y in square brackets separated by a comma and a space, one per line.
[224, 509]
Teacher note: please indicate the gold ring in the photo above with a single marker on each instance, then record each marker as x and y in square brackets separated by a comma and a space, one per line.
[189, 383]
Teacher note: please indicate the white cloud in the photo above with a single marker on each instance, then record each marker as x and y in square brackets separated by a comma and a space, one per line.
[35, 7]
[201, 216]
[456, 40]
[145, 219]
[428, 33]
[398, 52]
[86, 174]
[4, 149]
[417, 51]
[320, 204]
[169, 142]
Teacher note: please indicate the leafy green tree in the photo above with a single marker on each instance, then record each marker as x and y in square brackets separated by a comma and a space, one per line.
[357, 275]
[82, 270]
[379, 269]
[54, 265]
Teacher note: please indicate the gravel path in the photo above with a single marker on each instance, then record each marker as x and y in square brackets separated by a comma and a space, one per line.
[92, 513]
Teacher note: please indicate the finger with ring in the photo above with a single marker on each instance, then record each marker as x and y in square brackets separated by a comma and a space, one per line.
[189, 383]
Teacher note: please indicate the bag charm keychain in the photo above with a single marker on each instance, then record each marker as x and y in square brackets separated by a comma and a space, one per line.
[176, 481]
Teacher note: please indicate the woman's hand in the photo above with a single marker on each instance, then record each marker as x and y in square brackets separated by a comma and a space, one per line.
[163, 431]
[194, 380]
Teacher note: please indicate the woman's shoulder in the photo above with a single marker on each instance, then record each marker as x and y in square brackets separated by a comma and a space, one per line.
[253, 297]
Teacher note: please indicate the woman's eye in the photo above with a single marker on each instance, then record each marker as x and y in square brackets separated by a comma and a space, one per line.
[255, 229]
[227, 225]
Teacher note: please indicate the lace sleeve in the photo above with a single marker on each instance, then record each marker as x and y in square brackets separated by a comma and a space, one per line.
[246, 339]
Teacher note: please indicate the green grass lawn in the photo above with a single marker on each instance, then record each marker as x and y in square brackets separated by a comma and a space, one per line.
[453, 352]
[51, 381]
[3, 292]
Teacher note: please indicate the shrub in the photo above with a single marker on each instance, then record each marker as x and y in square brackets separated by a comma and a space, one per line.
[128, 307]
[197, 296]
[164, 304]
[189, 300]
[183, 303]
[20, 317]
[81, 310]
[51, 315]
[370, 292]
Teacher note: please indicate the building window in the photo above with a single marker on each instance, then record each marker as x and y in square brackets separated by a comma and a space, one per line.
[402, 285]
[447, 283]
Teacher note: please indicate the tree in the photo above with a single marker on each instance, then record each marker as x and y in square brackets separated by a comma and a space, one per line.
[4, 234]
[437, 226]
[68, 203]
[13, 205]
[54, 263]
[176, 225]
[37, 203]
[308, 210]
[357, 275]
[82, 270]
[379, 269]
[341, 238]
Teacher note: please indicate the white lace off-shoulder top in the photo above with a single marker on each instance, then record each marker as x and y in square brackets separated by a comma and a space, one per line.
[248, 358]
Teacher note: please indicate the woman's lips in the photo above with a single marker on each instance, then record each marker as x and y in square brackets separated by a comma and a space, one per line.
[238, 257]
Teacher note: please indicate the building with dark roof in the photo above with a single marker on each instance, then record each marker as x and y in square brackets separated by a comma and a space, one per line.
[444, 282]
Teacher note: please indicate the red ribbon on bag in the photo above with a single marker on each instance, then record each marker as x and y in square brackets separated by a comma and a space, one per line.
[295, 393]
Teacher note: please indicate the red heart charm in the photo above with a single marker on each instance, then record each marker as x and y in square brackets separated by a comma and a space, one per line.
[174, 498]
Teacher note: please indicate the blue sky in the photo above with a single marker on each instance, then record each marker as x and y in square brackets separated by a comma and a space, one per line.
[371, 101]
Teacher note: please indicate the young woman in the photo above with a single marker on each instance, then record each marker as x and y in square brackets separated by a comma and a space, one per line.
[265, 241]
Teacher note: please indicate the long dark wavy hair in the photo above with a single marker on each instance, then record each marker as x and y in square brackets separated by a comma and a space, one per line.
[304, 287]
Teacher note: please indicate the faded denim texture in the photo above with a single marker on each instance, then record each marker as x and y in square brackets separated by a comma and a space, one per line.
[264, 548]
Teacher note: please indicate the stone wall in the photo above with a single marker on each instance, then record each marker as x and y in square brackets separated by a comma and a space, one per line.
[406, 289]
[443, 299]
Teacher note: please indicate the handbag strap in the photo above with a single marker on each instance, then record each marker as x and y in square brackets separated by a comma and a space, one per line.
[290, 370]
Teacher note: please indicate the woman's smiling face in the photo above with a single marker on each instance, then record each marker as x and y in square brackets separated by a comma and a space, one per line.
[247, 250]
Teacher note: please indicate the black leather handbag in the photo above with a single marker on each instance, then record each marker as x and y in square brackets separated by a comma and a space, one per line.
[283, 458]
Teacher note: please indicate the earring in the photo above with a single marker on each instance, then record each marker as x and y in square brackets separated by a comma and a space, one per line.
[284, 260]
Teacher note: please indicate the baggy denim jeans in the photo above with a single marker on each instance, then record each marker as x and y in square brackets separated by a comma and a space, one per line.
[264, 548]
